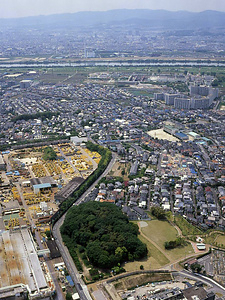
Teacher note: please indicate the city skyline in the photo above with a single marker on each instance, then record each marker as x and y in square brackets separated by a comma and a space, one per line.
[25, 8]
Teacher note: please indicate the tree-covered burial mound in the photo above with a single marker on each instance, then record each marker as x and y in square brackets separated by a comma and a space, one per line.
[105, 233]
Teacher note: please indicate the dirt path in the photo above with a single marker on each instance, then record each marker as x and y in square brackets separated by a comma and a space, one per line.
[152, 242]
[177, 229]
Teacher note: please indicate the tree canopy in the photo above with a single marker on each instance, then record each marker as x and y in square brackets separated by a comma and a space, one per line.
[43, 115]
[105, 232]
[49, 154]
[158, 212]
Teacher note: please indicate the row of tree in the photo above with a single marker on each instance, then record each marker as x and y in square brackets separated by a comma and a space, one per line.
[43, 115]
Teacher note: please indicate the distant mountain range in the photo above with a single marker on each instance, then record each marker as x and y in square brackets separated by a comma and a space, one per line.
[160, 19]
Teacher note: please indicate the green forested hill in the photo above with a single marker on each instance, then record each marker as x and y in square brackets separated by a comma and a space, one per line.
[104, 232]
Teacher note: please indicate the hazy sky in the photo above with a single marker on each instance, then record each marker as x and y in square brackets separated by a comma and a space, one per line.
[21, 8]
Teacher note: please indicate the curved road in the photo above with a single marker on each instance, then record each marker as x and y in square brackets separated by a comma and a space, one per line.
[79, 284]
[215, 286]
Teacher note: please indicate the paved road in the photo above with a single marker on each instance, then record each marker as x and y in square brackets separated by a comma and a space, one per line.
[214, 286]
[79, 284]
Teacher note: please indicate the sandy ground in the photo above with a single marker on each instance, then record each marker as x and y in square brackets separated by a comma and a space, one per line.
[160, 134]
[143, 224]
[28, 160]
[98, 295]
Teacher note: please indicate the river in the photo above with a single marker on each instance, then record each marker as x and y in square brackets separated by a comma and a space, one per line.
[112, 64]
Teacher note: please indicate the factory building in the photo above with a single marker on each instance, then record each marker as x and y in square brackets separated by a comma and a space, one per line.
[68, 189]
[21, 272]
[43, 183]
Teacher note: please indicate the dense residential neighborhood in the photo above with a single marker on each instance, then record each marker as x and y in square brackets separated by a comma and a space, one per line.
[112, 155]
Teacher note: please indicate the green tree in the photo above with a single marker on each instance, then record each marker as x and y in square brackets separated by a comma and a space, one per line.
[69, 296]
[49, 154]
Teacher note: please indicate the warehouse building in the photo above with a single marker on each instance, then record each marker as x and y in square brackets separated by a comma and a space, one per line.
[68, 189]
[42, 183]
[20, 269]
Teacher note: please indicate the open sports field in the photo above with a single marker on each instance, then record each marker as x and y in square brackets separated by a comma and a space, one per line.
[160, 134]
[160, 232]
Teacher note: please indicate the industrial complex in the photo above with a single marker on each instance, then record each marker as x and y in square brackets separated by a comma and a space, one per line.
[31, 190]
[21, 269]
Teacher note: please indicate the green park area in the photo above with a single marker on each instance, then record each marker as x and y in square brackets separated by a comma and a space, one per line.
[187, 228]
[155, 234]
[162, 231]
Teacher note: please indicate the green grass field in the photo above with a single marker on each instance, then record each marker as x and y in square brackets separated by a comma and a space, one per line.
[155, 258]
[161, 232]
[220, 240]
[216, 239]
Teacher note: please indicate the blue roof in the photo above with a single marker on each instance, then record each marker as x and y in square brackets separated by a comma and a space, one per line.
[42, 186]
[70, 280]
[180, 134]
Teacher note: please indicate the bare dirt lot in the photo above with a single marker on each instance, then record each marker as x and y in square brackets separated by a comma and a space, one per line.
[160, 134]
